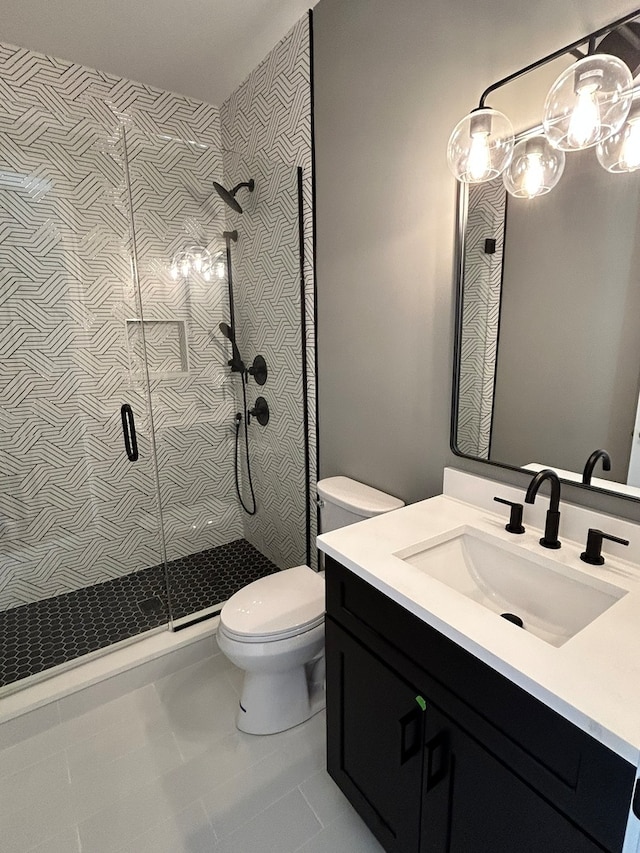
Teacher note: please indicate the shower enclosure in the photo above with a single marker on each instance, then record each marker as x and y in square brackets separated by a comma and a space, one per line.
[118, 509]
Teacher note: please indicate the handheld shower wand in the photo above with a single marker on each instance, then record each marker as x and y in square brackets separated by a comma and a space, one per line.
[236, 363]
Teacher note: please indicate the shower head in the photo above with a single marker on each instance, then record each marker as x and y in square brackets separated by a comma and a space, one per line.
[225, 328]
[229, 196]
[236, 364]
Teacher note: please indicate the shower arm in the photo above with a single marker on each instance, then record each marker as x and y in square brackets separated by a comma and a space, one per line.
[248, 184]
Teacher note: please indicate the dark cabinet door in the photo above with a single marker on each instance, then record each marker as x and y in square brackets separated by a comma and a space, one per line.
[472, 803]
[375, 724]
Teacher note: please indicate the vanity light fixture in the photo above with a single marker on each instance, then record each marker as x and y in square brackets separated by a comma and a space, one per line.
[587, 104]
[480, 146]
[535, 168]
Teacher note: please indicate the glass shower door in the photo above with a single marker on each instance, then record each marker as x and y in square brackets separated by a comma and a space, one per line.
[78, 519]
[185, 233]
[179, 228]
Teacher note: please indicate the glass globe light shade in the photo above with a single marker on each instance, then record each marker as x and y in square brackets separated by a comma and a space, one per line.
[588, 102]
[621, 152]
[535, 168]
[480, 146]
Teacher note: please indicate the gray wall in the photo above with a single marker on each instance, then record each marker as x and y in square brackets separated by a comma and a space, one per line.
[391, 81]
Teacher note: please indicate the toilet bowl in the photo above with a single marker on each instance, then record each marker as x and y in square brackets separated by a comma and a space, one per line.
[273, 628]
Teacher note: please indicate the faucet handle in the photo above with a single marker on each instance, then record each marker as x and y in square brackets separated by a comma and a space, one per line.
[515, 518]
[593, 554]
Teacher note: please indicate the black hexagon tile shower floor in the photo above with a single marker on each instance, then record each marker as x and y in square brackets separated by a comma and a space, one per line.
[37, 636]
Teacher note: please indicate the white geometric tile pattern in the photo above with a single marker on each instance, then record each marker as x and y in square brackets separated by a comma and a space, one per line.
[268, 121]
[173, 206]
[74, 511]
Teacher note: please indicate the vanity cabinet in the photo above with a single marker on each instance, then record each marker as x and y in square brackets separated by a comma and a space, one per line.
[439, 753]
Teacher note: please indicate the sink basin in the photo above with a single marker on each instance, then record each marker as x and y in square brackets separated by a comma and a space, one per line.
[553, 601]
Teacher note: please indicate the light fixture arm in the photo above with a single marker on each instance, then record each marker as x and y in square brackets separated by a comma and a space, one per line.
[570, 48]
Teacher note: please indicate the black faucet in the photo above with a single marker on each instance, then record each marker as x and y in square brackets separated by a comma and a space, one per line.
[591, 464]
[550, 538]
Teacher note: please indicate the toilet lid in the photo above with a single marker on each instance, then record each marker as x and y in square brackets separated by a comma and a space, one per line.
[277, 606]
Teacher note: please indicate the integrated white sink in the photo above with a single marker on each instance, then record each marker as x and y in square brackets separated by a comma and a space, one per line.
[553, 600]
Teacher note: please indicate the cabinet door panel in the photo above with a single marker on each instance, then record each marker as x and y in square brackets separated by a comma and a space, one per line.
[474, 804]
[375, 736]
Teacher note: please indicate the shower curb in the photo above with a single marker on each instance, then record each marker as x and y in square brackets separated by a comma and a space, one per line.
[101, 677]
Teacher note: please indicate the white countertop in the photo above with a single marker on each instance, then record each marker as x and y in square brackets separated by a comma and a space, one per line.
[593, 679]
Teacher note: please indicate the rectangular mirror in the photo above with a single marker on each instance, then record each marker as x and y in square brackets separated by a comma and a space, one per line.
[548, 336]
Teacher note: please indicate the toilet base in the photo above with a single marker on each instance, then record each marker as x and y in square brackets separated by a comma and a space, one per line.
[273, 702]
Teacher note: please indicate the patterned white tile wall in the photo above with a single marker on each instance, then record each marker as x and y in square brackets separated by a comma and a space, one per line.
[268, 121]
[73, 510]
[174, 206]
[482, 277]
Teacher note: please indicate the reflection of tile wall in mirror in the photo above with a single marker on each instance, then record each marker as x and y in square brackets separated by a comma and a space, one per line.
[482, 275]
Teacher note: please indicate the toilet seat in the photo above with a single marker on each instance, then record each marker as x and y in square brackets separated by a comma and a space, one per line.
[275, 607]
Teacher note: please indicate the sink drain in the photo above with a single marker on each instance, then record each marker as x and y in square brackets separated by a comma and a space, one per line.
[511, 617]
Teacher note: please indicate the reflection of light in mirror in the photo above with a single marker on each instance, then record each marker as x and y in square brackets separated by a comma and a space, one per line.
[630, 159]
[621, 152]
[535, 169]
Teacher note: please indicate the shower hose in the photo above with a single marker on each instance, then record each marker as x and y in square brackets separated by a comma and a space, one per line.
[246, 445]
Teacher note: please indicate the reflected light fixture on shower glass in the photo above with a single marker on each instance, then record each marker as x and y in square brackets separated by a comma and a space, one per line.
[480, 146]
[535, 168]
[588, 102]
[194, 260]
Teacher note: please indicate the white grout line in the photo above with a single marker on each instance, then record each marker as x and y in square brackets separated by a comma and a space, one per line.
[180, 752]
[309, 803]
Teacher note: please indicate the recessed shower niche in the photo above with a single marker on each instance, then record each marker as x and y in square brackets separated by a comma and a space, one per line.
[162, 344]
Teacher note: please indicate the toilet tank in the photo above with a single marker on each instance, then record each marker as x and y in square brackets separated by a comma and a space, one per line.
[345, 501]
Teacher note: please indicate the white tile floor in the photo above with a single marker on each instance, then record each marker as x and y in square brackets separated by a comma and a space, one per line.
[164, 769]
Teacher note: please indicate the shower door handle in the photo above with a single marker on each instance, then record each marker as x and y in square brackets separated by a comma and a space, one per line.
[129, 432]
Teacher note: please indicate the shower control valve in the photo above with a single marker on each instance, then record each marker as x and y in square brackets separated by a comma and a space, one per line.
[258, 370]
[260, 412]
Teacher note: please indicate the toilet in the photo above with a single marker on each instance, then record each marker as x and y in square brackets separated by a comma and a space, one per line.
[273, 628]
